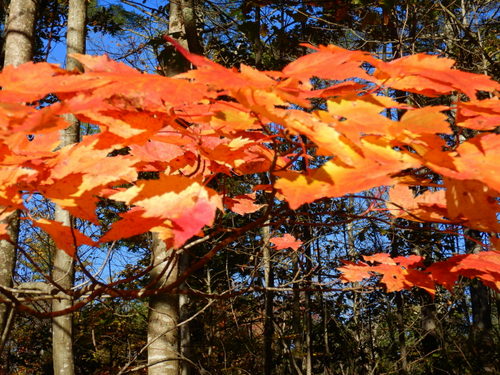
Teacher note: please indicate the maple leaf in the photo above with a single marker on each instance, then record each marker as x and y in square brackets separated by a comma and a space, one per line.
[429, 206]
[242, 204]
[285, 242]
[376, 168]
[479, 114]
[463, 199]
[132, 223]
[431, 75]
[104, 64]
[484, 266]
[175, 206]
[11, 180]
[354, 271]
[66, 238]
[329, 62]
[397, 273]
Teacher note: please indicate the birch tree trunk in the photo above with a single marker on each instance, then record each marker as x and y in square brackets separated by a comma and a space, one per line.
[63, 266]
[481, 337]
[19, 30]
[268, 301]
[163, 338]
[164, 344]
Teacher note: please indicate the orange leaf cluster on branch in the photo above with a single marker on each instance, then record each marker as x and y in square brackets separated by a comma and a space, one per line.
[400, 273]
[214, 120]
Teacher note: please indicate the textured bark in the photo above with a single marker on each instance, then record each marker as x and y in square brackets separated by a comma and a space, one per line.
[402, 364]
[190, 27]
[166, 343]
[184, 314]
[268, 302]
[63, 266]
[7, 264]
[296, 319]
[163, 341]
[481, 337]
[19, 30]
[308, 360]
[62, 326]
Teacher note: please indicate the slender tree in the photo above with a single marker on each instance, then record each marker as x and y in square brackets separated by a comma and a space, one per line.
[18, 46]
[164, 344]
[63, 268]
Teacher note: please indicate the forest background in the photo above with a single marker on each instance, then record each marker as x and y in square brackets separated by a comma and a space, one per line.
[255, 306]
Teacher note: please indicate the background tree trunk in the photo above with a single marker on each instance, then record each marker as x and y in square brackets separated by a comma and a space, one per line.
[164, 343]
[19, 32]
[18, 45]
[268, 302]
[163, 339]
[184, 314]
[481, 336]
[63, 266]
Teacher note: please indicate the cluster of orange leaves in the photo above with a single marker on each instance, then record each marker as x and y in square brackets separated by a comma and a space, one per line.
[213, 120]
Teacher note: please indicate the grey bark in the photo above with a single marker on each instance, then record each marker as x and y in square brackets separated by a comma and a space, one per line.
[481, 337]
[268, 302]
[63, 266]
[402, 364]
[19, 30]
[308, 360]
[184, 314]
[163, 337]
[166, 343]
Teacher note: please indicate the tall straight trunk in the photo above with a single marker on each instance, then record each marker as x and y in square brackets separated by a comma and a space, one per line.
[480, 301]
[268, 302]
[184, 314]
[325, 316]
[308, 339]
[19, 32]
[63, 264]
[431, 343]
[296, 318]
[166, 343]
[18, 45]
[400, 313]
[481, 337]
[163, 337]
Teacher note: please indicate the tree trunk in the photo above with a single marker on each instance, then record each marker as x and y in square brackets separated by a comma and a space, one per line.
[308, 364]
[163, 341]
[297, 341]
[164, 344]
[19, 31]
[268, 302]
[63, 266]
[402, 364]
[184, 314]
[481, 331]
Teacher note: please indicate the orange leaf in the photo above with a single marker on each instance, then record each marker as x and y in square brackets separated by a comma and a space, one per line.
[242, 204]
[427, 207]
[484, 266]
[176, 203]
[66, 238]
[329, 62]
[285, 242]
[432, 76]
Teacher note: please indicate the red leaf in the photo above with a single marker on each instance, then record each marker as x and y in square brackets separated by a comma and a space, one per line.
[242, 204]
[285, 242]
[66, 238]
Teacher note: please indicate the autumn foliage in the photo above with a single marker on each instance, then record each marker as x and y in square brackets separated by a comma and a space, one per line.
[214, 121]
